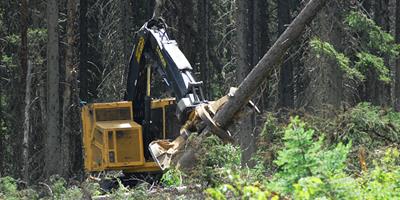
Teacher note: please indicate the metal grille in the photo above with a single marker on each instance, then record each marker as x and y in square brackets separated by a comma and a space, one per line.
[111, 114]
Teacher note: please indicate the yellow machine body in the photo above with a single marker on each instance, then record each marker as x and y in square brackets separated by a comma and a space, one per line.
[112, 140]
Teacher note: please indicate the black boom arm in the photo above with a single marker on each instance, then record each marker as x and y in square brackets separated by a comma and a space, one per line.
[154, 51]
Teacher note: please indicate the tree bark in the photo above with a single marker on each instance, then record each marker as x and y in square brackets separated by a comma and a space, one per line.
[24, 41]
[2, 138]
[69, 89]
[125, 26]
[27, 124]
[24, 87]
[250, 84]
[203, 28]
[185, 20]
[83, 54]
[245, 52]
[52, 144]
[397, 75]
[286, 90]
[263, 20]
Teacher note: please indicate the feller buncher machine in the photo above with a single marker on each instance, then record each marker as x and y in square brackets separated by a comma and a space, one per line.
[163, 105]
[141, 133]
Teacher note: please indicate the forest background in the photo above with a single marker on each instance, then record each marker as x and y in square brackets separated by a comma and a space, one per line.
[55, 54]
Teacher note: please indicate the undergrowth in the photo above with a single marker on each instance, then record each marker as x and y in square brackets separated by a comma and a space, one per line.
[308, 166]
[353, 155]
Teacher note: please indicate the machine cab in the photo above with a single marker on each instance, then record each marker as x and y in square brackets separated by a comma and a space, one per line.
[112, 140]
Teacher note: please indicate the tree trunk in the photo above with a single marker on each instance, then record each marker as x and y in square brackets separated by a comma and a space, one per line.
[2, 123]
[24, 87]
[286, 90]
[203, 28]
[24, 41]
[69, 89]
[83, 48]
[244, 44]
[324, 91]
[126, 25]
[185, 21]
[52, 144]
[263, 20]
[27, 124]
[397, 75]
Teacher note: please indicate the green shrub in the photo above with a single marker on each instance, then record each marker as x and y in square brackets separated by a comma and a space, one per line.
[268, 142]
[302, 156]
[213, 157]
[8, 188]
[382, 182]
[123, 193]
[93, 189]
[237, 186]
[220, 154]
[58, 186]
[73, 192]
[370, 127]
[61, 190]
[173, 177]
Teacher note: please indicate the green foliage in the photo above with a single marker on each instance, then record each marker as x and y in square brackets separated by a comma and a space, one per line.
[303, 157]
[237, 185]
[383, 182]
[91, 188]
[369, 125]
[372, 35]
[122, 193]
[373, 44]
[73, 192]
[58, 186]
[173, 177]
[37, 40]
[219, 154]
[140, 192]
[8, 188]
[61, 190]
[367, 60]
[214, 156]
[327, 49]
[335, 187]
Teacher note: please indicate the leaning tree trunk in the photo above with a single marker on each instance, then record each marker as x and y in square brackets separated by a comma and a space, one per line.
[52, 144]
[259, 73]
[265, 66]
